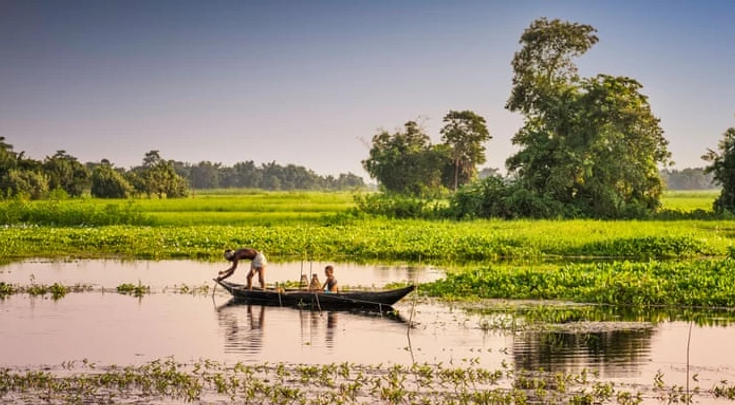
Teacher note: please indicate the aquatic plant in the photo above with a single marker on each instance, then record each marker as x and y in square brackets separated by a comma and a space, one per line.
[706, 283]
[56, 290]
[426, 241]
[208, 381]
[544, 315]
[187, 289]
[138, 290]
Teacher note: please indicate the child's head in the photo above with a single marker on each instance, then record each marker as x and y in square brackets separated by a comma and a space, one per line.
[329, 270]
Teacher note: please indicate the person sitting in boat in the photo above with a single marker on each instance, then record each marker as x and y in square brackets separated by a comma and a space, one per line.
[315, 285]
[257, 265]
[330, 285]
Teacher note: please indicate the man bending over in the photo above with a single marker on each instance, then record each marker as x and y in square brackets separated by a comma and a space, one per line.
[257, 265]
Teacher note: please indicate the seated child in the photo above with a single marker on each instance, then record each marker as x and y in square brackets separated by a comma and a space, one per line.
[331, 284]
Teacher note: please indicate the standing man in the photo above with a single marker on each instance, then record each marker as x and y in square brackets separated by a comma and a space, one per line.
[257, 264]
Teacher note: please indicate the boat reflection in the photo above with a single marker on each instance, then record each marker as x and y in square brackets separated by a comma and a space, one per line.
[244, 327]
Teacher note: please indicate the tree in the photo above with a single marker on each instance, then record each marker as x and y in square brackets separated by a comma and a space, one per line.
[722, 166]
[8, 158]
[465, 132]
[405, 162]
[20, 175]
[158, 176]
[544, 68]
[66, 172]
[205, 175]
[591, 144]
[248, 174]
[109, 183]
[26, 183]
[687, 179]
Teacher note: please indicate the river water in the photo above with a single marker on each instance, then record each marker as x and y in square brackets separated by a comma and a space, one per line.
[105, 327]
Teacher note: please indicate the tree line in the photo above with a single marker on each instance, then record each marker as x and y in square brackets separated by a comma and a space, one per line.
[589, 147]
[63, 173]
[688, 179]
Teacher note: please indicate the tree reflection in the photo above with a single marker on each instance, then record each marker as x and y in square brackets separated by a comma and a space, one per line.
[565, 350]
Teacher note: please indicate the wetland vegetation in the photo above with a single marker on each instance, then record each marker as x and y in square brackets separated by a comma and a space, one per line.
[651, 262]
[337, 383]
[657, 269]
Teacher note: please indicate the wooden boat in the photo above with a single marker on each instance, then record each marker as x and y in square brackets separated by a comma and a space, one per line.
[362, 300]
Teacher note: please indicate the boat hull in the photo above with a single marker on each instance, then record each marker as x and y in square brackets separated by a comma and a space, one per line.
[362, 300]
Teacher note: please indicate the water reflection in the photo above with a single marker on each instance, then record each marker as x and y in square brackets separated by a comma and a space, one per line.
[244, 326]
[564, 314]
[613, 352]
[246, 338]
[331, 325]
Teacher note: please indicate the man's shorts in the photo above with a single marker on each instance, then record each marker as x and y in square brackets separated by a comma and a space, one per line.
[258, 262]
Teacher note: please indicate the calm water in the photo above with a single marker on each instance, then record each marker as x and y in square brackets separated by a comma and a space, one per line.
[109, 328]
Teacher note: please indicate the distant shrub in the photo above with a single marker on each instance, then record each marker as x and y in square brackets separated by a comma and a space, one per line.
[397, 206]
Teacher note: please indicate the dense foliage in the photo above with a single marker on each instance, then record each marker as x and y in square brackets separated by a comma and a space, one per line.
[590, 147]
[109, 183]
[722, 166]
[268, 176]
[406, 162]
[28, 178]
[158, 177]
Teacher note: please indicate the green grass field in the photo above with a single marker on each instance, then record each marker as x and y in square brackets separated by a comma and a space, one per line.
[689, 200]
[247, 208]
[235, 207]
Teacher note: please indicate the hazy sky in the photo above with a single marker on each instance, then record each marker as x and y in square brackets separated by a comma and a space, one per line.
[310, 82]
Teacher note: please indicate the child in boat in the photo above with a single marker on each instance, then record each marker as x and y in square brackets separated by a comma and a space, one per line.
[315, 284]
[330, 285]
[257, 265]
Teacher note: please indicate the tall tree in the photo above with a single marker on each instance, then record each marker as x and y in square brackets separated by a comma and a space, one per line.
[109, 183]
[20, 176]
[592, 145]
[8, 158]
[158, 176]
[722, 166]
[26, 183]
[544, 68]
[465, 132]
[64, 171]
[205, 175]
[405, 161]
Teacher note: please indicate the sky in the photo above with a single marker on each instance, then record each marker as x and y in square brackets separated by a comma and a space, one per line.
[310, 82]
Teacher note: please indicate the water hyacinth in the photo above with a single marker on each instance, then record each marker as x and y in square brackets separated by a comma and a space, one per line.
[382, 240]
[206, 381]
[707, 283]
